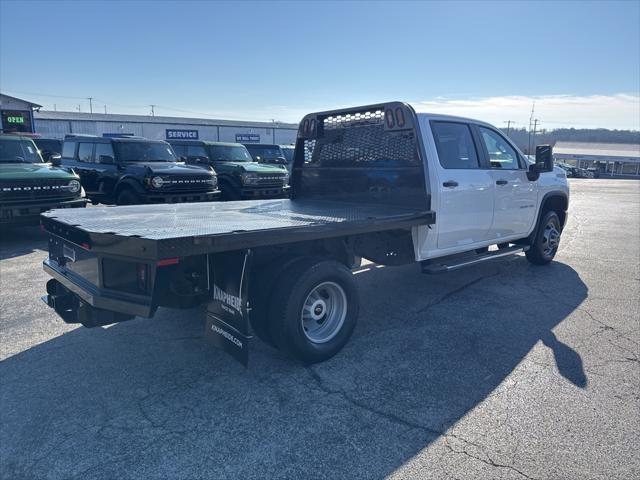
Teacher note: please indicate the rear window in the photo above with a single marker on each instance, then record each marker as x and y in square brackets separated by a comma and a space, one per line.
[455, 146]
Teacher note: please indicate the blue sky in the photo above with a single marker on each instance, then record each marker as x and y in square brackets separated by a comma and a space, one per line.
[264, 60]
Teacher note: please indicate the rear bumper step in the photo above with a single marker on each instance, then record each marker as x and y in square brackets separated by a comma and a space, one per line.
[435, 266]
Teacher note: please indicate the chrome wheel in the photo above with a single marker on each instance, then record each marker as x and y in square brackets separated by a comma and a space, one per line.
[323, 312]
[550, 239]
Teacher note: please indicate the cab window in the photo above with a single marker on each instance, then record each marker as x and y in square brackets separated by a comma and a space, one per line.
[69, 149]
[455, 146]
[85, 152]
[501, 155]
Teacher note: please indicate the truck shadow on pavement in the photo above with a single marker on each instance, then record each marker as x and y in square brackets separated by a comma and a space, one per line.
[16, 241]
[149, 398]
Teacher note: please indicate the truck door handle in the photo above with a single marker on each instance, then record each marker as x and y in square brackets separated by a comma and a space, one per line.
[501, 182]
[450, 183]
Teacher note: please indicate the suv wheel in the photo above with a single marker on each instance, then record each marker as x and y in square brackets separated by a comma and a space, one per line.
[128, 197]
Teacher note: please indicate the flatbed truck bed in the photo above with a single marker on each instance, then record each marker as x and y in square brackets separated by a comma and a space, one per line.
[156, 232]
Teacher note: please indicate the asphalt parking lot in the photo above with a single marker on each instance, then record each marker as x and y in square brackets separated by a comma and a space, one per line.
[503, 370]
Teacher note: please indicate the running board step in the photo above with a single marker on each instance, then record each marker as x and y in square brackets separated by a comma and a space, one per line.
[433, 266]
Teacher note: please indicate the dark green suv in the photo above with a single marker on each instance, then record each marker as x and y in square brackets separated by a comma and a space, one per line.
[29, 186]
[239, 176]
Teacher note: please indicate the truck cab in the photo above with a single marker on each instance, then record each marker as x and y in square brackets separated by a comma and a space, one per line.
[29, 186]
[239, 176]
[132, 170]
[484, 191]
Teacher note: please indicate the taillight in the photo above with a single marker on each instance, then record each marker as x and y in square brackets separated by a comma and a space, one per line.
[168, 261]
[399, 117]
[388, 118]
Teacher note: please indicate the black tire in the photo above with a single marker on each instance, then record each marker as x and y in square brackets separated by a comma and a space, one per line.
[289, 295]
[546, 242]
[127, 196]
[229, 192]
[261, 286]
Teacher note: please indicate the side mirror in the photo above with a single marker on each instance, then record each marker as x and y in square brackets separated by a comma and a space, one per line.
[183, 158]
[281, 160]
[258, 158]
[544, 158]
[55, 159]
[108, 159]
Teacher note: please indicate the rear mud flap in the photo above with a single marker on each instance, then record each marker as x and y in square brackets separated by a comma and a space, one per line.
[227, 324]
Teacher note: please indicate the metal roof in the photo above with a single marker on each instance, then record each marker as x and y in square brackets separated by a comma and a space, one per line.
[628, 150]
[15, 99]
[111, 117]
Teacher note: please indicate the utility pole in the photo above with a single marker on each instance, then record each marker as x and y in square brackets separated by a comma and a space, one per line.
[55, 108]
[79, 109]
[153, 113]
[90, 104]
[533, 107]
[535, 125]
[105, 109]
[508, 122]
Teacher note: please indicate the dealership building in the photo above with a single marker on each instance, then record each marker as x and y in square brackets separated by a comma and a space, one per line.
[58, 124]
[615, 159]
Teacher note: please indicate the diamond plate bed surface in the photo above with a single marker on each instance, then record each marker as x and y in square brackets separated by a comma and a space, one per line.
[159, 222]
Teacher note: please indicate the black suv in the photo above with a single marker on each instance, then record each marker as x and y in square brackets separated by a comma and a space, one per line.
[238, 175]
[130, 170]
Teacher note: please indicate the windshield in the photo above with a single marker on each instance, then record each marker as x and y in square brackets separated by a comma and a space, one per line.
[225, 153]
[18, 151]
[144, 152]
[265, 152]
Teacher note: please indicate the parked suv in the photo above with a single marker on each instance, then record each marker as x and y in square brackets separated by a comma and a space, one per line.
[29, 186]
[238, 175]
[131, 170]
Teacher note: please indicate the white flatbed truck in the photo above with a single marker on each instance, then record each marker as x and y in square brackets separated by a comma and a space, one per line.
[380, 182]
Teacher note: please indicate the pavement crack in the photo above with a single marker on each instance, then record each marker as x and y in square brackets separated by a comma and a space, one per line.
[488, 460]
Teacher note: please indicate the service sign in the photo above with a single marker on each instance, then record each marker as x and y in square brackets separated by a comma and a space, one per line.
[247, 138]
[227, 324]
[172, 134]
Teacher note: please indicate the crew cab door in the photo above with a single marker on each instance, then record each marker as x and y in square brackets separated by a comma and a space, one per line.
[515, 195]
[465, 190]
